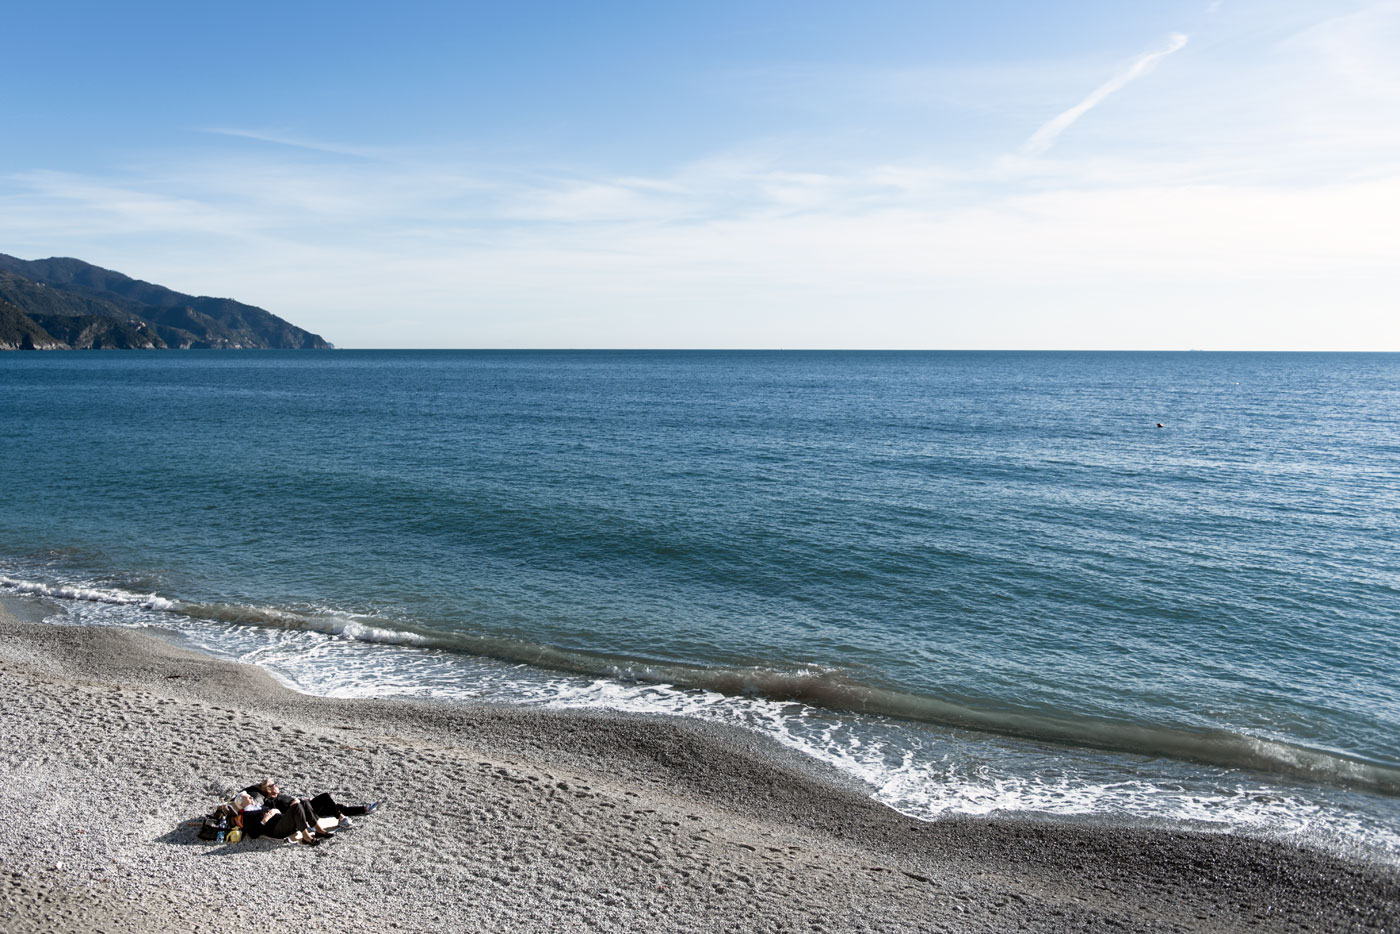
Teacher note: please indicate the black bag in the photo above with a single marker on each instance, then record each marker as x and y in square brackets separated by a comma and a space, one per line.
[219, 822]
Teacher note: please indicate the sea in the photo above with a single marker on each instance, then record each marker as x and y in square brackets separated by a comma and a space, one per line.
[1146, 589]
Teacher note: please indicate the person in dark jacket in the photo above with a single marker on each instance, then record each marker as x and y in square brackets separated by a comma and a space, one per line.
[323, 805]
[263, 820]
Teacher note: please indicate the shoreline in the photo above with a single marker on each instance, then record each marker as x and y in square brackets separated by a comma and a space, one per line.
[508, 819]
[1269, 787]
[1272, 758]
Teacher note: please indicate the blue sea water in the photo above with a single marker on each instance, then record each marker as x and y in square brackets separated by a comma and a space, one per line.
[980, 582]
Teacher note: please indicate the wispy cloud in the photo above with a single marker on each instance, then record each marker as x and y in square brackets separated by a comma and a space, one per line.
[726, 251]
[1359, 47]
[1262, 217]
[1042, 139]
[279, 139]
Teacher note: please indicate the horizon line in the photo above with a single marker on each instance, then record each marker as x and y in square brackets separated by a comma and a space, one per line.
[828, 350]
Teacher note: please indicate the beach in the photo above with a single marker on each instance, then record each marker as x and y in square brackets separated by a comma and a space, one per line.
[524, 820]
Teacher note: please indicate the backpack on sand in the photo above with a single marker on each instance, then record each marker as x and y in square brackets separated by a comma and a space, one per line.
[217, 824]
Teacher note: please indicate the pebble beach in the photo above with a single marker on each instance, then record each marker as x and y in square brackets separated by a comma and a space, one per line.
[523, 820]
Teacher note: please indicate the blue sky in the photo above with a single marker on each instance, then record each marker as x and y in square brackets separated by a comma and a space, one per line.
[1220, 174]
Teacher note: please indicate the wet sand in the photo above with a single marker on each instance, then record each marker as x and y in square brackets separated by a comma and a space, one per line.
[502, 819]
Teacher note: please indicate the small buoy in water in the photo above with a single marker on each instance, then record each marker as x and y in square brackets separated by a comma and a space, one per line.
[1159, 425]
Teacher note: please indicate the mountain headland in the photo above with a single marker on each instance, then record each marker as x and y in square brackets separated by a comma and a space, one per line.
[66, 304]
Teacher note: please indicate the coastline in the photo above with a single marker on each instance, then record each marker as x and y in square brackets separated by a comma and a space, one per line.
[507, 819]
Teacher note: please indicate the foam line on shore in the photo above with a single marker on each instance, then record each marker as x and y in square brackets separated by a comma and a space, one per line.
[553, 821]
[829, 689]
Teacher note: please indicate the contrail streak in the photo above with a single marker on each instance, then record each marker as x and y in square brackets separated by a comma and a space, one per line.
[1043, 138]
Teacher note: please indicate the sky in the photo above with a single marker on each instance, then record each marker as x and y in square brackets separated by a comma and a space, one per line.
[1214, 174]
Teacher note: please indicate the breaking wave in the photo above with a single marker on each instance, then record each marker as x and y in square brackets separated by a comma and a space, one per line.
[829, 689]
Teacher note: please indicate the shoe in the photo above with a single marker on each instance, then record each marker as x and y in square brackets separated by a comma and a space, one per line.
[312, 842]
[372, 807]
[345, 823]
[322, 834]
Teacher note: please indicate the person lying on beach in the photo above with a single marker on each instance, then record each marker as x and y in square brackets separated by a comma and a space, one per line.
[323, 805]
[297, 823]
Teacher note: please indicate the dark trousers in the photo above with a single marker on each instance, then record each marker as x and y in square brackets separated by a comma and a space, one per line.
[324, 806]
[286, 823]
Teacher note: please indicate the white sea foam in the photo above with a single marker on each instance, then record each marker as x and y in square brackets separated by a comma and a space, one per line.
[327, 621]
[362, 632]
[927, 773]
[922, 770]
[90, 594]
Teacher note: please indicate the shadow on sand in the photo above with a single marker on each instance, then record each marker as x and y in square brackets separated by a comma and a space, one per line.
[186, 833]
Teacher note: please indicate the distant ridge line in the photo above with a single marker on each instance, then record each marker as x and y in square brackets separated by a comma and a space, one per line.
[62, 303]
